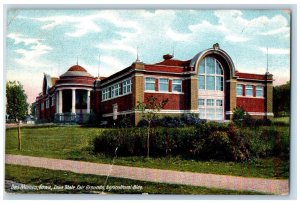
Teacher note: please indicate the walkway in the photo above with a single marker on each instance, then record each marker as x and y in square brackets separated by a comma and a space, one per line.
[271, 186]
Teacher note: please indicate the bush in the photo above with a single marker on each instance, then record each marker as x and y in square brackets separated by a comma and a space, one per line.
[172, 122]
[206, 141]
[238, 116]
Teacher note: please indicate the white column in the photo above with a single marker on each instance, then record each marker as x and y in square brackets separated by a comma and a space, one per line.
[60, 102]
[88, 101]
[56, 102]
[73, 100]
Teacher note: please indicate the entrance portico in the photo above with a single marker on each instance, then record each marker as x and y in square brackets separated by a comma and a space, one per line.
[73, 104]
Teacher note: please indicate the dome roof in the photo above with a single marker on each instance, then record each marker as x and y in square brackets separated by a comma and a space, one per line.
[76, 70]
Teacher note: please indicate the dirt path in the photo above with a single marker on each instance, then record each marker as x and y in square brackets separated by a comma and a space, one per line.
[271, 186]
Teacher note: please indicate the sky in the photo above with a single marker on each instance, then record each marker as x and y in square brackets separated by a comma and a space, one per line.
[50, 41]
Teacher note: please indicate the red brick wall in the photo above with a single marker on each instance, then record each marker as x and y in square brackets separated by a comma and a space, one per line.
[124, 104]
[251, 104]
[170, 69]
[176, 101]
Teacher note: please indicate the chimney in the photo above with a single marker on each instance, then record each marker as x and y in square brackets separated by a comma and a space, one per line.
[167, 57]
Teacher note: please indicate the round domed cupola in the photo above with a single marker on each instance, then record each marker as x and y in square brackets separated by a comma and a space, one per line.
[76, 70]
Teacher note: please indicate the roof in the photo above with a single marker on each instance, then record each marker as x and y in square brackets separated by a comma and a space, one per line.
[250, 76]
[76, 70]
[174, 62]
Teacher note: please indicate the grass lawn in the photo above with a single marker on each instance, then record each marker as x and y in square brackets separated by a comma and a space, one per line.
[73, 143]
[285, 120]
[37, 176]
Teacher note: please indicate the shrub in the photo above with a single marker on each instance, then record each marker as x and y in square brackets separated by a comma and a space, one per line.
[238, 116]
[171, 122]
[206, 141]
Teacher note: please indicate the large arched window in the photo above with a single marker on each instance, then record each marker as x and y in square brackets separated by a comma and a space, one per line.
[211, 89]
[210, 75]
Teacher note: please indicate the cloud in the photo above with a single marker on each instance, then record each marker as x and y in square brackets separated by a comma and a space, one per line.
[19, 38]
[235, 28]
[275, 51]
[114, 63]
[176, 36]
[280, 31]
[236, 38]
[117, 45]
[86, 24]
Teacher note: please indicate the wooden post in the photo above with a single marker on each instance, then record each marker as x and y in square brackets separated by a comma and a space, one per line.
[19, 136]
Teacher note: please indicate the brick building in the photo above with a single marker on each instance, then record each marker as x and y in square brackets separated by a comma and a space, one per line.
[207, 85]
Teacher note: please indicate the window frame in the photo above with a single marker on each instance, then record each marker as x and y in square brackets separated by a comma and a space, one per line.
[261, 88]
[149, 82]
[247, 88]
[160, 83]
[241, 89]
[206, 75]
[175, 84]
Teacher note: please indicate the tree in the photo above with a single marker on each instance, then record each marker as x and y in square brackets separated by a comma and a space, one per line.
[33, 109]
[16, 104]
[281, 99]
[149, 112]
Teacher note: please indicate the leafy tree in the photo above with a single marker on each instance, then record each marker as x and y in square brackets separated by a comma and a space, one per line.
[16, 105]
[281, 99]
[33, 109]
[149, 111]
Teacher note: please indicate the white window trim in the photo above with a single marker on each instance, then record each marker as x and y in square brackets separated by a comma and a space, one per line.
[149, 82]
[116, 86]
[241, 85]
[249, 89]
[262, 90]
[177, 83]
[215, 75]
[165, 83]
[214, 107]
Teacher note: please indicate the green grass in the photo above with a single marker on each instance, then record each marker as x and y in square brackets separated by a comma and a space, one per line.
[284, 120]
[73, 143]
[37, 176]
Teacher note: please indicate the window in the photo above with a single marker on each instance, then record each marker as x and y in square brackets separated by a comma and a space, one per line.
[213, 109]
[210, 113]
[219, 102]
[115, 90]
[239, 89]
[210, 82]
[210, 75]
[249, 90]
[259, 91]
[202, 67]
[163, 84]
[42, 106]
[210, 65]
[176, 85]
[201, 83]
[210, 102]
[211, 79]
[126, 86]
[105, 93]
[149, 84]
[219, 83]
[201, 102]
